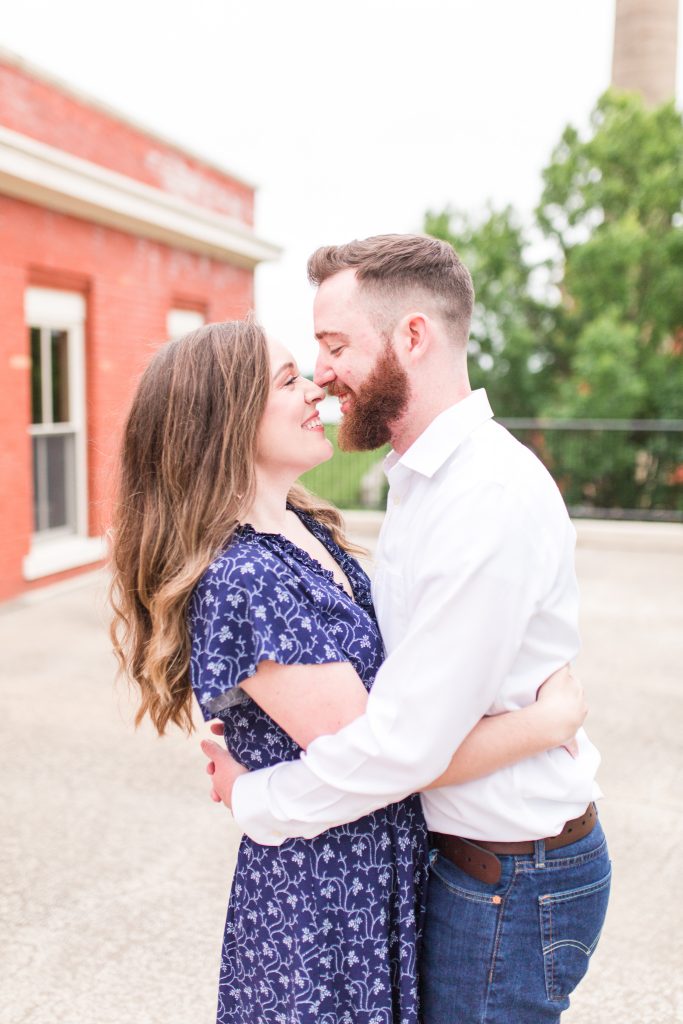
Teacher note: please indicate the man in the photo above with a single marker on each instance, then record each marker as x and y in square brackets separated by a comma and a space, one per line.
[477, 600]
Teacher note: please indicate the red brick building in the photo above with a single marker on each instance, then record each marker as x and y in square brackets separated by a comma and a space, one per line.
[112, 240]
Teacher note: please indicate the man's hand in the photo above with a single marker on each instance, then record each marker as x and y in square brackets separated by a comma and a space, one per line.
[222, 768]
[562, 702]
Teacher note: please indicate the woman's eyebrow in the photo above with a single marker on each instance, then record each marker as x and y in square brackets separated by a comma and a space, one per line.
[285, 366]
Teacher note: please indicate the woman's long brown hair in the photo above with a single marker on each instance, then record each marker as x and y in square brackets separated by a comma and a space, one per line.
[186, 477]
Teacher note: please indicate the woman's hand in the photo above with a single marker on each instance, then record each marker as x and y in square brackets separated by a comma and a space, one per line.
[562, 704]
[222, 768]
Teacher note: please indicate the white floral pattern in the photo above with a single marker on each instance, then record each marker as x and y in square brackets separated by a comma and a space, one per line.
[324, 930]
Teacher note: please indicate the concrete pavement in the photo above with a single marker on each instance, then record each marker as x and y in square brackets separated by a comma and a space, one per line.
[116, 866]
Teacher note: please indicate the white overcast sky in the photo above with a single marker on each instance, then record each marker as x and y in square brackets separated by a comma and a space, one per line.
[352, 117]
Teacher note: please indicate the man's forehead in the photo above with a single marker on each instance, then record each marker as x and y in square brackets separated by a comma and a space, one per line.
[337, 288]
[338, 311]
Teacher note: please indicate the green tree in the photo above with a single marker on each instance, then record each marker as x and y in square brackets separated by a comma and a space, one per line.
[594, 329]
[611, 219]
[612, 207]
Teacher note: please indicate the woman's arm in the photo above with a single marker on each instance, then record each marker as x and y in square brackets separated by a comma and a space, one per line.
[308, 701]
[501, 740]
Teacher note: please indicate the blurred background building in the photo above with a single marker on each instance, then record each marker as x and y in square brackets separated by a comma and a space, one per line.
[113, 240]
[644, 57]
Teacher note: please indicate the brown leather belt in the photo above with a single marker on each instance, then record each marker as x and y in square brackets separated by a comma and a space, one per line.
[479, 859]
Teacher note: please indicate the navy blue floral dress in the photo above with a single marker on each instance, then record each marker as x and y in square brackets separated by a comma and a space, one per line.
[322, 930]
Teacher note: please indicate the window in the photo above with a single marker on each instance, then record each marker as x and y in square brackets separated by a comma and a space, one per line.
[55, 322]
[53, 431]
[182, 321]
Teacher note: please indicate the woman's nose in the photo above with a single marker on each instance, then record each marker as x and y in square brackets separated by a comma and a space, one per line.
[314, 393]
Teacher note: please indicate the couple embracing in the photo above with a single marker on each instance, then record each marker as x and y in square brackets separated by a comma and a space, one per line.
[422, 844]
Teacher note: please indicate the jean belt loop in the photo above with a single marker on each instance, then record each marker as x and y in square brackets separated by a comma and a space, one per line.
[539, 853]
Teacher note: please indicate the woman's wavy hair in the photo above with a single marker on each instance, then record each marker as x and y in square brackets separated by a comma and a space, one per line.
[186, 477]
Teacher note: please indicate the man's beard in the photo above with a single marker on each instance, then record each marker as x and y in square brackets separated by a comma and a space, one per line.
[378, 403]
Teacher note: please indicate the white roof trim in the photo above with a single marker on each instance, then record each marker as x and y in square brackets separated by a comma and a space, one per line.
[42, 174]
[15, 60]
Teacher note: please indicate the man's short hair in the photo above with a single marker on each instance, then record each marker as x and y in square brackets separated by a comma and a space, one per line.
[393, 269]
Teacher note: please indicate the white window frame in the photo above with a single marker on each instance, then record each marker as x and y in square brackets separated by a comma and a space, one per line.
[55, 550]
[182, 321]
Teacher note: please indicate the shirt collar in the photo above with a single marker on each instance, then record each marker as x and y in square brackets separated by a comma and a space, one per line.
[443, 435]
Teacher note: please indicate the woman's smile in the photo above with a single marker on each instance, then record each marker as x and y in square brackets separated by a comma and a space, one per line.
[313, 423]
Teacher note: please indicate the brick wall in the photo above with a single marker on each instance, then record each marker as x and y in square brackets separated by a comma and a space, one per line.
[129, 284]
[36, 108]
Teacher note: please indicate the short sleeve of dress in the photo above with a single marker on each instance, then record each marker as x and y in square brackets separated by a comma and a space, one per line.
[249, 608]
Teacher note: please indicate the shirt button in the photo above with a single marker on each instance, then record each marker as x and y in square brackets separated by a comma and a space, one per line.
[397, 500]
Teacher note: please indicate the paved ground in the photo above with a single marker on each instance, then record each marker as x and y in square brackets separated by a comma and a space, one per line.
[116, 866]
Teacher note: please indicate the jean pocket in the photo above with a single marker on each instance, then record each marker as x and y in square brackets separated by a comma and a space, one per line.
[571, 923]
[459, 883]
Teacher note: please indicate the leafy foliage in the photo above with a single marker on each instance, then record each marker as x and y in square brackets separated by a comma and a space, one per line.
[508, 346]
[580, 314]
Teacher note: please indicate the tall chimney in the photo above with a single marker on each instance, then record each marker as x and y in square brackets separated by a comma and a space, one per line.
[644, 60]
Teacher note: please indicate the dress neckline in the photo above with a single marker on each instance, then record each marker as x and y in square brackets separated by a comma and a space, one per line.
[360, 589]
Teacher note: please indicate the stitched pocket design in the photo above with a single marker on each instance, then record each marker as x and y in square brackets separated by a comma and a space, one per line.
[571, 923]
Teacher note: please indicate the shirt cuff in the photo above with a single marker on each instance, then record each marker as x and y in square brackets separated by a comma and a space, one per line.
[250, 807]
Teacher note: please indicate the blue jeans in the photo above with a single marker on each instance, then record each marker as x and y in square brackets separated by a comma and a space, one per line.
[512, 952]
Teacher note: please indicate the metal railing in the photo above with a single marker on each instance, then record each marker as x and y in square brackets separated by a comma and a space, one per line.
[609, 469]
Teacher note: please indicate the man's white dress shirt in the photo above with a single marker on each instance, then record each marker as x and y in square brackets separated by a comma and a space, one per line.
[477, 601]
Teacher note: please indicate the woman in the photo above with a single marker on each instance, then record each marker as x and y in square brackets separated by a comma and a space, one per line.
[231, 580]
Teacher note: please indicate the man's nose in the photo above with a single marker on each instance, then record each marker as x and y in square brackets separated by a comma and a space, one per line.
[323, 374]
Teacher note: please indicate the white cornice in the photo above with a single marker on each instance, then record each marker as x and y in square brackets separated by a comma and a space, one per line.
[15, 60]
[48, 176]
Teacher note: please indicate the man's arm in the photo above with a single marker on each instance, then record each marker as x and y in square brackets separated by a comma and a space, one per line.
[501, 740]
[466, 625]
[495, 742]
